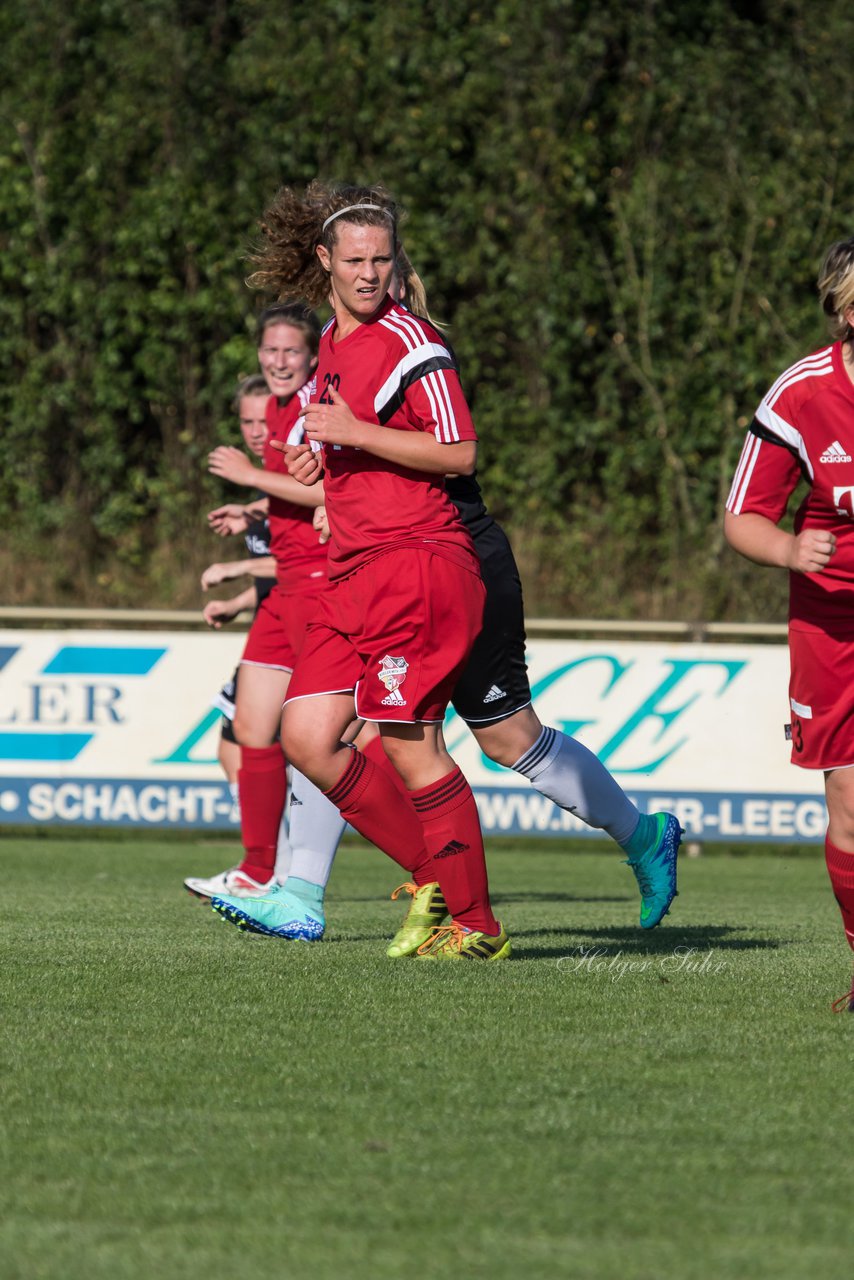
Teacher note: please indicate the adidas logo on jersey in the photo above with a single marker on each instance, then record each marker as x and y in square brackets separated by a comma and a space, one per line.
[835, 453]
[494, 694]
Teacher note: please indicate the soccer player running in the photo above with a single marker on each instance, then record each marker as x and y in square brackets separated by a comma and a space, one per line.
[250, 402]
[287, 351]
[804, 429]
[493, 697]
[386, 424]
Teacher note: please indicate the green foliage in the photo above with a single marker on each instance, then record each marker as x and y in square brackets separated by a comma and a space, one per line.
[619, 212]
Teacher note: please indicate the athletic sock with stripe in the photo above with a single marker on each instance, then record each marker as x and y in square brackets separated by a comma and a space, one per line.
[562, 769]
[452, 833]
[368, 799]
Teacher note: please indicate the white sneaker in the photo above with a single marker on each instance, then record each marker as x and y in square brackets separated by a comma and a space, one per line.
[233, 883]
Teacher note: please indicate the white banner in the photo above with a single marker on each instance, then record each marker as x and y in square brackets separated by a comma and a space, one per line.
[117, 728]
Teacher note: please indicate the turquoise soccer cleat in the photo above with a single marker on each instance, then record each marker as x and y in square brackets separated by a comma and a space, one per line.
[655, 871]
[278, 914]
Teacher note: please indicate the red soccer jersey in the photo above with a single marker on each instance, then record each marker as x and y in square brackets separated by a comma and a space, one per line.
[394, 371]
[301, 561]
[804, 428]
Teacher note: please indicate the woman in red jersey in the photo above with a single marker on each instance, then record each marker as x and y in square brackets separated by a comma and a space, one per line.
[386, 423]
[804, 429]
[287, 352]
[251, 405]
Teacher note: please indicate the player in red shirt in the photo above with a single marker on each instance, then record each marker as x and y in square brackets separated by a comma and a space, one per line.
[386, 423]
[251, 405]
[804, 429]
[287, 352]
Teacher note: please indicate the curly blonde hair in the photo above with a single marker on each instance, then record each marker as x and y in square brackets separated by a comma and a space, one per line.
[292, 228]
[836, 288]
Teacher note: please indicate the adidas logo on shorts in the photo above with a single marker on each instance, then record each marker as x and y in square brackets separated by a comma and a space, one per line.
[835, 453]
[494, 694]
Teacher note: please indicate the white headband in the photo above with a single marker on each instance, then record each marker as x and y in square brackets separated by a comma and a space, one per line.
[350, 209]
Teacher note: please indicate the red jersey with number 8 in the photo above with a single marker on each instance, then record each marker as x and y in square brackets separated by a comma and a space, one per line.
[397, 372]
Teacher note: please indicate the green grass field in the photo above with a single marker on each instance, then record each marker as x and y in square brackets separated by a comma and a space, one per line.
[182, 1100]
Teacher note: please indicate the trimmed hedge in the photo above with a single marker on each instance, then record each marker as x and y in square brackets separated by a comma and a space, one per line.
[619, 213]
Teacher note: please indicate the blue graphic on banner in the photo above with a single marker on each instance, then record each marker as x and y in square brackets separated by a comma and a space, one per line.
[170, 803]
[102, 660]
[56, 747]
[7, 653]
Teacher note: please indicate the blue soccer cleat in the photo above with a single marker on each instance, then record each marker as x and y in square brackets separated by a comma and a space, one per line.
[278, 914]
[655, 871]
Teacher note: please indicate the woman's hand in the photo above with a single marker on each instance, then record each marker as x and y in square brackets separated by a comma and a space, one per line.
[216, 612]
[303, 463]
[332, 422]
[230, 519]
[811, 550]
[231, 464]
[214, 575]
[321, 524]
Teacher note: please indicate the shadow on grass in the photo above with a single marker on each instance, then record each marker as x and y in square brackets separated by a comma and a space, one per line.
[534, 896]
[522, 896]
[632, 941]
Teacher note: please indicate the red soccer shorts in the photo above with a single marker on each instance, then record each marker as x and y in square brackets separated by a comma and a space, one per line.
[397, 633]
[278, 630]
[821, 696]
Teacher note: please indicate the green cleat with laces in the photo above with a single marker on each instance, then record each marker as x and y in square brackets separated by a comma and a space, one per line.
[456, 942]
[426, 912]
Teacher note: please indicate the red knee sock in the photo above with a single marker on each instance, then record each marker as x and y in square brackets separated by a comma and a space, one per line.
[366, 796]
[453, 836]
[262, 788]
[840, 868]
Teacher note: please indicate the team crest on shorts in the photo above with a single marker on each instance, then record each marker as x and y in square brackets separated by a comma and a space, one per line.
[392, 674]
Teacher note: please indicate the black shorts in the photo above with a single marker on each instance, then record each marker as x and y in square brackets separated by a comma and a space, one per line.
[225, 701]
[495, 684]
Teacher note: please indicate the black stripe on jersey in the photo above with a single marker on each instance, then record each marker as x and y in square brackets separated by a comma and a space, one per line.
[762, 433]
[414, 375]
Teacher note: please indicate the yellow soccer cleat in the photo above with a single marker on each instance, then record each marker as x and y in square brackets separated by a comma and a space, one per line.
[455, 942]
[426, 912]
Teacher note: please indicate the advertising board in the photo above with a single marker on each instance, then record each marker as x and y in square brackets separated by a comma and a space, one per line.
[116, 728]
